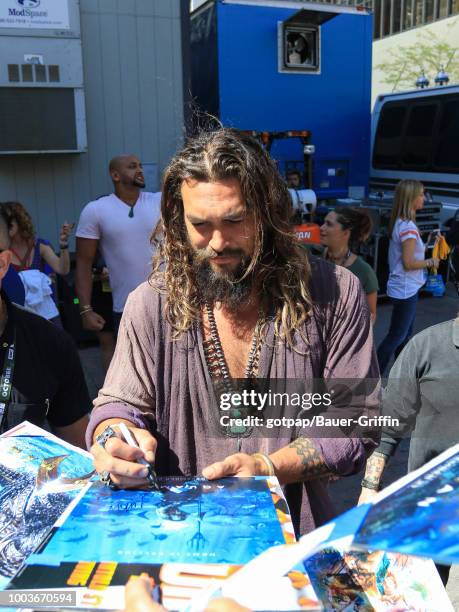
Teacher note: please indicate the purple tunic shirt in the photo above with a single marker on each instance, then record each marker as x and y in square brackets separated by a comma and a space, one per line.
[164, 384]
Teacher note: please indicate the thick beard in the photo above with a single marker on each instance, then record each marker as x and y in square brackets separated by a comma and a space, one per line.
[228, 288]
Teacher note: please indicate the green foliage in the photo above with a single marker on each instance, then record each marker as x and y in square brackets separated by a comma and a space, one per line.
[427, 55]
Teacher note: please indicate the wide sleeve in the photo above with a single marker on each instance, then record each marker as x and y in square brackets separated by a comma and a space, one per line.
[129, 390]
[351, 371]
[88, 224]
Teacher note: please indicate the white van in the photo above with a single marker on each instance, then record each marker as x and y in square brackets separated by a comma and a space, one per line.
[415, 135]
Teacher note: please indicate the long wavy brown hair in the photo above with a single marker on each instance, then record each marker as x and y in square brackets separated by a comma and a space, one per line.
[15, 211]
[279, 262]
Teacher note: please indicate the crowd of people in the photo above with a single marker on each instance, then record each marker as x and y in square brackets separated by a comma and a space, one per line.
[230, 294]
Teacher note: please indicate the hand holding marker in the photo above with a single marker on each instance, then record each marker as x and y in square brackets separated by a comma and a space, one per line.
[129, 438]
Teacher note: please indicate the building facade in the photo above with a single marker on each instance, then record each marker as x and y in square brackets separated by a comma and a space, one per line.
[396, 16]
[123, 59]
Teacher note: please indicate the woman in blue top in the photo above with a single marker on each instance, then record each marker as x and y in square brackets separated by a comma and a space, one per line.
[406, 268]
[31, 253]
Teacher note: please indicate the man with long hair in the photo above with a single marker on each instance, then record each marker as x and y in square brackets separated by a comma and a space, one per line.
[232, 296]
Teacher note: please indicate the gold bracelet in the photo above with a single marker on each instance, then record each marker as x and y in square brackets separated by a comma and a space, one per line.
[85, 310]
[267, 461]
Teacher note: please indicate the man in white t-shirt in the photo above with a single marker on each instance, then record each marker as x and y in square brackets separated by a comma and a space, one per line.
[120, 225]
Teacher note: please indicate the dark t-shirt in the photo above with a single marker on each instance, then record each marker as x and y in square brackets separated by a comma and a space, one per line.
[48, 380]
[365, 274]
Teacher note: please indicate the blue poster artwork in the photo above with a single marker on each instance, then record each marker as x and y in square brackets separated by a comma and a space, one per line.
[186, 521]
[39, 477]
[421, 518]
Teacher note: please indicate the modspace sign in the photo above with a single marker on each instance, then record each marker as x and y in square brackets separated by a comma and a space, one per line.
[42, 14]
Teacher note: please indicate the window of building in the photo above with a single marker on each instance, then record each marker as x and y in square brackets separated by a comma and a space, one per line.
[417, 144]
[443, 6]
[429, 11]
[53, 72]
[377, 21]
[396, 16]
[418, 6]
[454, 7]
[407, 15]
[389, 136]
[40, 73]
[13, 73]
[386, 17]
[446, 156]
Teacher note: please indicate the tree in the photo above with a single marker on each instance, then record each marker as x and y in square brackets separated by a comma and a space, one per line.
[427, 55]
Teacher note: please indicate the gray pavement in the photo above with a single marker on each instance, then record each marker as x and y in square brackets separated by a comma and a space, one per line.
[345, 492]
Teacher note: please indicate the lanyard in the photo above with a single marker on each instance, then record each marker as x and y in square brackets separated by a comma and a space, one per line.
[6, 381]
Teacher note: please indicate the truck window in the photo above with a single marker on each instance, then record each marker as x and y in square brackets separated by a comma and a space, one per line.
[417, 144]
[446, 156]
[389, 136]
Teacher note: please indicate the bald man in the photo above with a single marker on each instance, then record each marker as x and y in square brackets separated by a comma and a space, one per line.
[120, 226]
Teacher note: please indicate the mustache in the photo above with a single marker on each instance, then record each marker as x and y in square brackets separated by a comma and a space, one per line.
[201, 255]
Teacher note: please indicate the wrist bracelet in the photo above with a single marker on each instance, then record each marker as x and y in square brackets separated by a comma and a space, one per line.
[85, 310]
[267, 461]
[369, 484]
[378, 453]
[63, 247]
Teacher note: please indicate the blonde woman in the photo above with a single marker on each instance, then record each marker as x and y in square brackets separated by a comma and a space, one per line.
[406, 268]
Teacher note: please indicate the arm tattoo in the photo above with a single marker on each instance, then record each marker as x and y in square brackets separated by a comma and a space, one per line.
[375, 467]
[312, 461]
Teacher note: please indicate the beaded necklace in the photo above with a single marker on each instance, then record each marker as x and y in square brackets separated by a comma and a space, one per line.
[218, 368]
